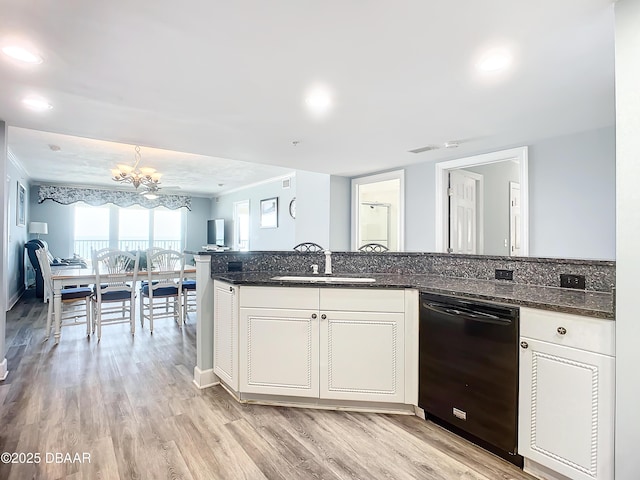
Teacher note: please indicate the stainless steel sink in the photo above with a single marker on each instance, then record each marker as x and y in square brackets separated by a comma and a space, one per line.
[319, 279]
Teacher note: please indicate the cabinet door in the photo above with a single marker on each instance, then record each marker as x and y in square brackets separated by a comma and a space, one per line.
[279, 351]
[362, 356]
[225, 333]
[566, 409]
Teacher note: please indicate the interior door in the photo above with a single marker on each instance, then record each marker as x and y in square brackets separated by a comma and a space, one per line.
[462, 212]
[514, 218]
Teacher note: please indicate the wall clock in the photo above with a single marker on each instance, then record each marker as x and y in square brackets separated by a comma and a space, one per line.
[292, 207]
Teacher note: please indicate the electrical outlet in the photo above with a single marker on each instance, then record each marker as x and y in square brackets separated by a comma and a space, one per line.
[234, 266]
[572, 281]
[504, 274]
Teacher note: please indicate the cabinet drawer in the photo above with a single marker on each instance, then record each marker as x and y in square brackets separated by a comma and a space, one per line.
[587, 333]
[279, 297]
[361, 300]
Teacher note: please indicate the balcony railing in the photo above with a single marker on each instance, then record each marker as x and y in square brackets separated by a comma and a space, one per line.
[83, 248]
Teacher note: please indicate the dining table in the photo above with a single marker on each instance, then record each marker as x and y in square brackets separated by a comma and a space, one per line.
[68, 277]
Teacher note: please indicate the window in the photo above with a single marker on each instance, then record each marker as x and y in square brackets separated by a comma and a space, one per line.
[91, 230]
[131, 228]
[167, 228]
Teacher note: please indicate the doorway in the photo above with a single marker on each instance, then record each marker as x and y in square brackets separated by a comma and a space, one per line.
[377, 210]
[501, 229]
[241, 222]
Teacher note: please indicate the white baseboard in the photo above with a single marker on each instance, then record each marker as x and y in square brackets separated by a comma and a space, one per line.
[205, 378]
[3, 369]
[542, 472]
[15, 298]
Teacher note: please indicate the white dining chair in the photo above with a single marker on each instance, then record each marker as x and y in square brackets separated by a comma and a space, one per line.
[188, 298]
[115, 289]
[71, 297]
[161, 293]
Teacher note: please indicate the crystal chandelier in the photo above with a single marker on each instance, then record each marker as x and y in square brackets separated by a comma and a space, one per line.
[145, 176]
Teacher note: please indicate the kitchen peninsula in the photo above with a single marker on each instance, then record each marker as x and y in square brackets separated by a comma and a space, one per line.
[354, 345]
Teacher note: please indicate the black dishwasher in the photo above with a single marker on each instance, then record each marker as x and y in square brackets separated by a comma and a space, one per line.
[469, 370]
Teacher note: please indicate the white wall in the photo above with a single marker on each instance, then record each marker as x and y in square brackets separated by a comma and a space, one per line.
[628, 231]
[281, 238]
[571, 196]
[17, 233]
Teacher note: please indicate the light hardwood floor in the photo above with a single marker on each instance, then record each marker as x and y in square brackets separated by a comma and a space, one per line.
[130, 403]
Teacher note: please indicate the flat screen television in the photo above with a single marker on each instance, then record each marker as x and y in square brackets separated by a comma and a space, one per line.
[215, 232]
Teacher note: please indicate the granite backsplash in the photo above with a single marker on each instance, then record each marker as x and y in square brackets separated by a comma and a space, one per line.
[599, 274]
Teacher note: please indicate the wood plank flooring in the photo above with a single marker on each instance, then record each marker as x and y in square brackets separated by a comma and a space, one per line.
[129, 402]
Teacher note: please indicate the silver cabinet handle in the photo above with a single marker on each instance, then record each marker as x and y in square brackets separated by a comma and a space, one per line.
[524, 344]
[314, 316]
[561, 331]
[323, 316]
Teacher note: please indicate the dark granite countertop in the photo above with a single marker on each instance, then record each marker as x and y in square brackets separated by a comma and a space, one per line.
[589, 303]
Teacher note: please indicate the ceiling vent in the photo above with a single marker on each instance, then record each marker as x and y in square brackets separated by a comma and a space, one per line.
[449, 144]
[286, 182]
[424, 149]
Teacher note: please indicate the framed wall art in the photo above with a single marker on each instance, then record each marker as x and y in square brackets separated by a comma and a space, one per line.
[269, 213]
[21, 206]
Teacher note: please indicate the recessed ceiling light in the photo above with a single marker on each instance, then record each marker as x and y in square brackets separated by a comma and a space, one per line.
[494, 60]
[451, 144]
[319, 100]
[22, 54]
[36, 103]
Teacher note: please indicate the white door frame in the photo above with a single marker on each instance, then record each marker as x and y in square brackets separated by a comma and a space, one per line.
[355, 211]
[519, 154]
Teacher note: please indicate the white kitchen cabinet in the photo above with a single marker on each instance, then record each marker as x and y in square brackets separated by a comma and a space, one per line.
[225, 333]
[323, 343]
[567, 394]
[362, 356]
[279, 352]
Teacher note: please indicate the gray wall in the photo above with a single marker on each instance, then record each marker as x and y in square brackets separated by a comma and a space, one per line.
[323, 212]
[281, 238]
[197, 223]
[340, 214]
[3, 233]
[313, 201]
[628, 231]
[571, 198]
[495, 228]
[17, 234]
[60, 221]
[572, 195]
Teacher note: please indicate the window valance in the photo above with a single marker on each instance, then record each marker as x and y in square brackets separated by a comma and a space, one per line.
[96, 197]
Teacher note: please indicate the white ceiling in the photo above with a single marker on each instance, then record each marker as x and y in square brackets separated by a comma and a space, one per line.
[227, 80]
